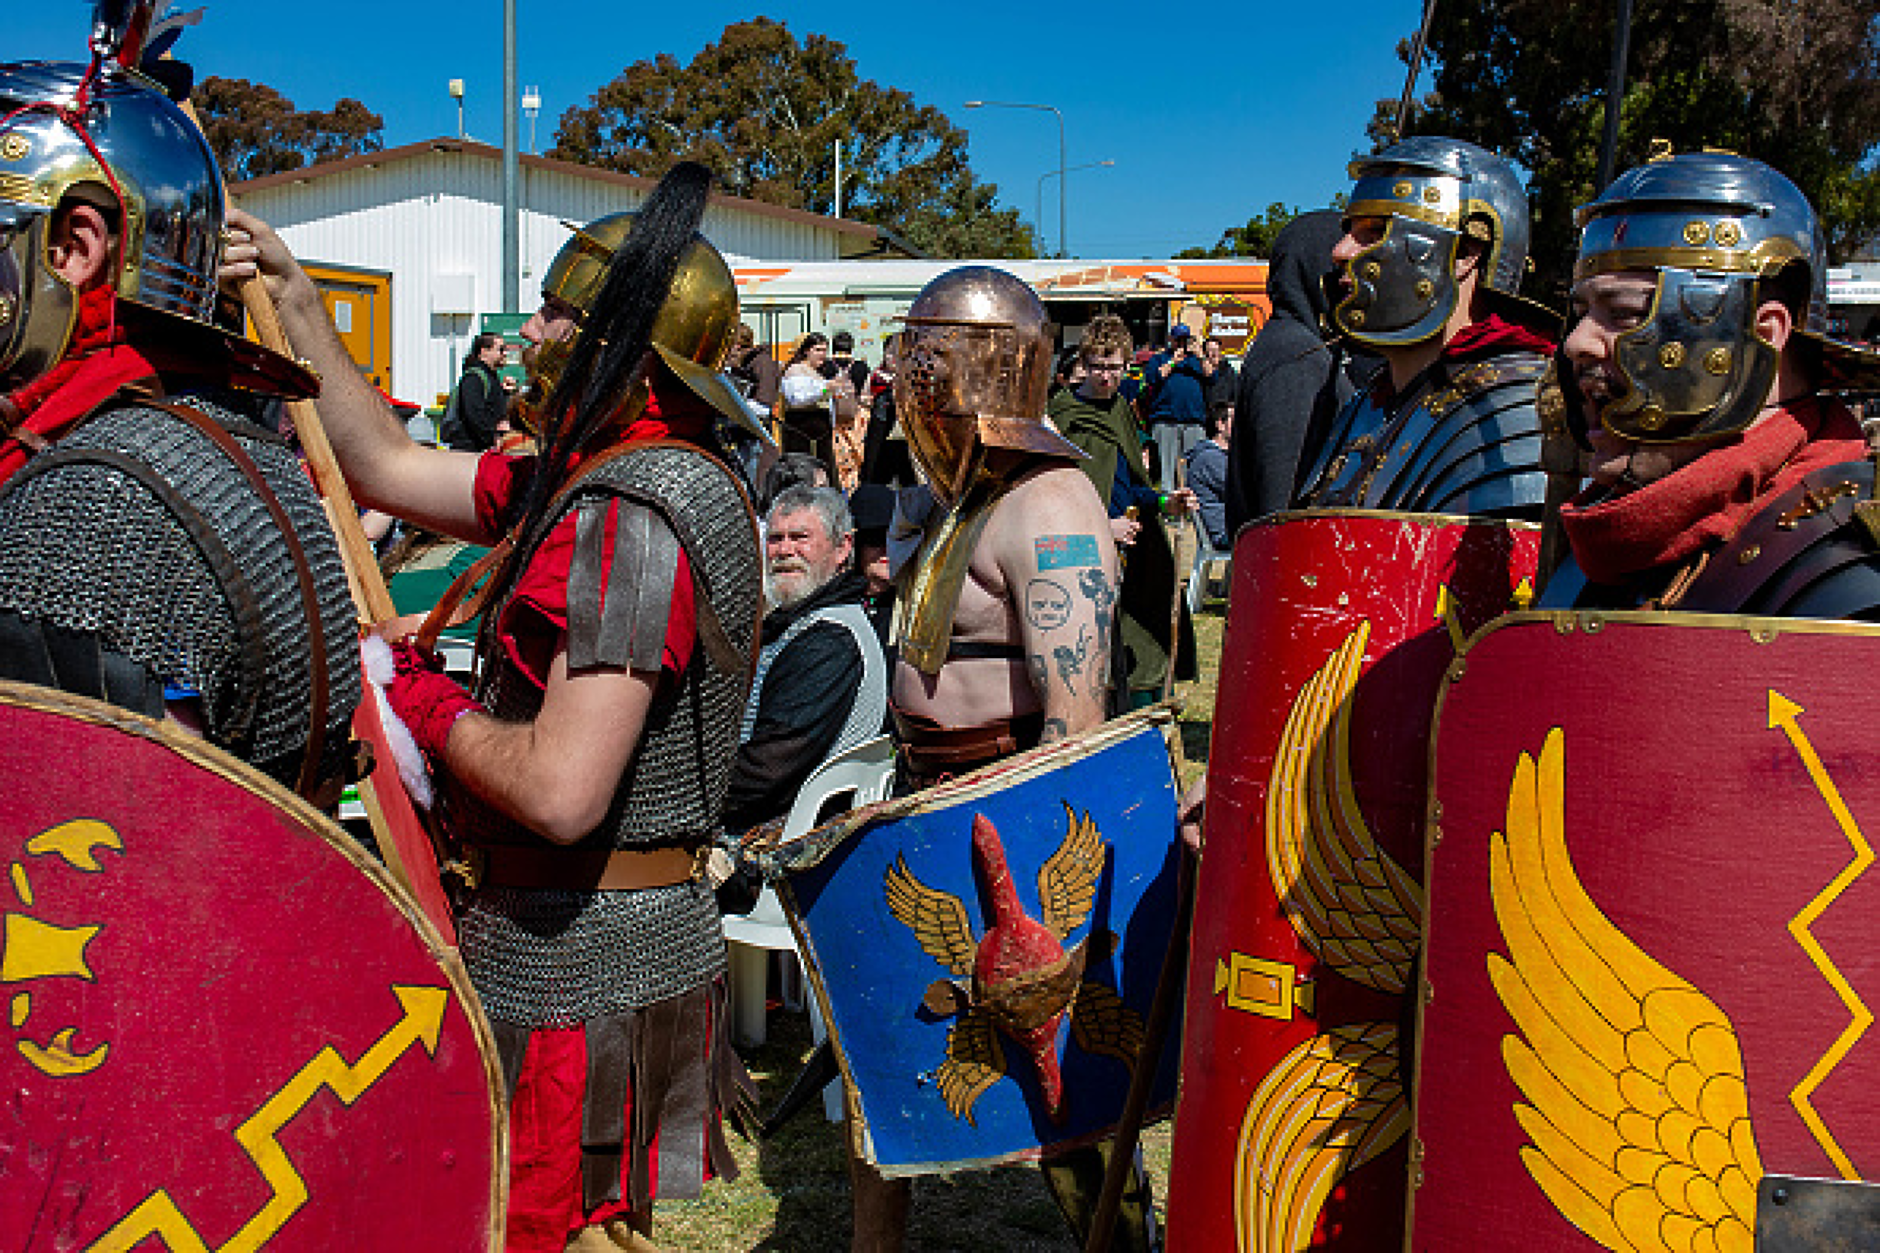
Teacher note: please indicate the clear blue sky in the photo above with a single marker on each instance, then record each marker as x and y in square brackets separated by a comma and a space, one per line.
[1211, 113]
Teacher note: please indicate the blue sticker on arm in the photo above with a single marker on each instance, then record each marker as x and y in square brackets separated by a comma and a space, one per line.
[1057, 552]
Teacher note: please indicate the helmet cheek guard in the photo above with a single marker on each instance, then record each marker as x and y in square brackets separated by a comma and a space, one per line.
[1403, 287]
[38, 309]
[1697, 368]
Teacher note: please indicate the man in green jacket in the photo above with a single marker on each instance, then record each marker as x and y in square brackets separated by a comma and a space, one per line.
[1099, 421]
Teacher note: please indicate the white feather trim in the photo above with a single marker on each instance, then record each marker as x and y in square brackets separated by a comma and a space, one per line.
[381, 669]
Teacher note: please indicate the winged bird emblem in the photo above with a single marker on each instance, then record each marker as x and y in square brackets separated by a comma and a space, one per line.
[1017, 980]
[1351, 903]
[1637, 1111]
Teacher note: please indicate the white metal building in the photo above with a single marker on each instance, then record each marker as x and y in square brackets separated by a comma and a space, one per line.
[422, 225]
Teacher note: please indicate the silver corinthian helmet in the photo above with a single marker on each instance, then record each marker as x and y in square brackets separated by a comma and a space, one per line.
[1431, 191]
[1712, 226]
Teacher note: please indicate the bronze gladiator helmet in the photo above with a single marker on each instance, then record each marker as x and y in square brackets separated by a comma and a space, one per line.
[974, 370]
[692, 331]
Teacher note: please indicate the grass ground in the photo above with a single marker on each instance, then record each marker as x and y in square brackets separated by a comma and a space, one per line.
[793, 1195]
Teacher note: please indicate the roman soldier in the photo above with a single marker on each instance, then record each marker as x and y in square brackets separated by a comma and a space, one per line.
[160, 547]
[1435, 244]
[1726, 476]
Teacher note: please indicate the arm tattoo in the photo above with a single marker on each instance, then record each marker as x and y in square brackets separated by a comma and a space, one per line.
[1047, 604]
[1040, 675]
[1071, 660]
[1060, 552]
[1055, 729]
[1095, 585]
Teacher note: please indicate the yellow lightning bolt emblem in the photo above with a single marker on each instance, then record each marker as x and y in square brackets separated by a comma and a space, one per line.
[1447, 615]
[1784, 714]
[158, 1215]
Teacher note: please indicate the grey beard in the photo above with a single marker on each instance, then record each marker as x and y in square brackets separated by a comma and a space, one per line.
[798, 590]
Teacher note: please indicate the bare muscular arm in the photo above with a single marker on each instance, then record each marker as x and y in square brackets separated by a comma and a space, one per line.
[1052, 543]
[557, 774]
[383, 467]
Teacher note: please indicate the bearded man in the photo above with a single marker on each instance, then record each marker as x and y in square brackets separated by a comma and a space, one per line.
[821, 684]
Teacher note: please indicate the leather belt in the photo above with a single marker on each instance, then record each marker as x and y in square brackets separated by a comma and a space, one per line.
[519, 866]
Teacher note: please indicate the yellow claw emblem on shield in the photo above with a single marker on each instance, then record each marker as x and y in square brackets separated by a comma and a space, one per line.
[31, 949]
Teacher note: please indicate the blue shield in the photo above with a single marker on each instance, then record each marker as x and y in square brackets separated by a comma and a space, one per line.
[986, 952]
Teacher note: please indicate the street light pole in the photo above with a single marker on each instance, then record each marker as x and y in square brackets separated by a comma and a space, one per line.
[512, 232]
[1063, 247]
[1088, 165]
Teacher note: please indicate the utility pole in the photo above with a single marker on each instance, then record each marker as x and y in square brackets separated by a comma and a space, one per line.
[512, 232]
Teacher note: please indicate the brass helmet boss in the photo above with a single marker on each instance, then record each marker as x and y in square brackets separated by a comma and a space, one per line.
[168, 200]
[1710, 227]
[1431, 191]
[973, 372]
[692, 331]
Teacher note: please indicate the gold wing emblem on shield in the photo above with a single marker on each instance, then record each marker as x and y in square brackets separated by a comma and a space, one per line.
[1067, 882]
[1349, 900]
[1327, 1108]
[974, 1063]
[937, 919]
[1637, 1111]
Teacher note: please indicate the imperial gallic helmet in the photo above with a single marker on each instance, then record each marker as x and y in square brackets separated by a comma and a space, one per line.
[1712, 226]
[692, 332]
[1431, 192]
[973, 372]
[111, 137]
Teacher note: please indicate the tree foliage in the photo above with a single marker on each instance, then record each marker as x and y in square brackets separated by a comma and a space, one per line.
[765, 113]
[255, 130]
[1795, 83]
[1255, 239]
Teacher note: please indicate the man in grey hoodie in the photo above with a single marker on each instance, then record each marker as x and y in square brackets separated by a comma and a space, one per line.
[1292, 382]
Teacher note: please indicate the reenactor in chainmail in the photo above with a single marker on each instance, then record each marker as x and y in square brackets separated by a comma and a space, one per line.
[160, 548]
[588, 770]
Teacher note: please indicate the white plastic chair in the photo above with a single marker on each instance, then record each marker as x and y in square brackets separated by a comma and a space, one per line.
[850, 779]
[1201, 578]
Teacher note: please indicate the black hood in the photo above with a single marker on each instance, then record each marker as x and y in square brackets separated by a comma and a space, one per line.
[1302, 257]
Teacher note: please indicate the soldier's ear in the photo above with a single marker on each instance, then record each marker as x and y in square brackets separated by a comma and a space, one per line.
[79, 246]
[1775, 323]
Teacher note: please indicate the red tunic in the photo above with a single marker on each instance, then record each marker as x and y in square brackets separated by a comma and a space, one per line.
[546, 1204]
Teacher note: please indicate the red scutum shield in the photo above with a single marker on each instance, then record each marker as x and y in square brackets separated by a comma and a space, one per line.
[227, 1029]
[1290, 1128]
[1651, 956]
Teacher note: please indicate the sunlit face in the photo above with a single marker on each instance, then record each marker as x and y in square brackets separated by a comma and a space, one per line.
[800, 557]
[1103, 374]
[816, 356]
